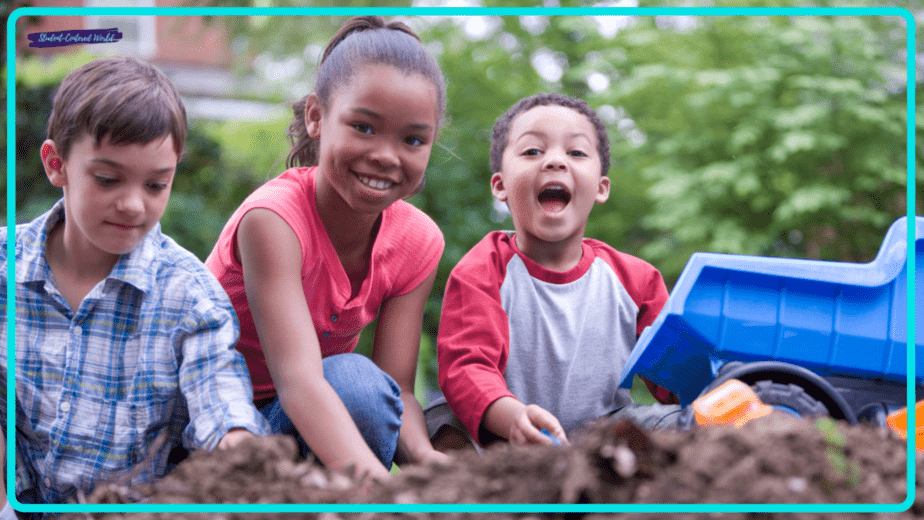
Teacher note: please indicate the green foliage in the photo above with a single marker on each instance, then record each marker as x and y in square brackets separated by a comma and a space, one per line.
[846, 469]
[767, 135]
[34, 194]
[224, 162]
[640, 393]
[35, 85]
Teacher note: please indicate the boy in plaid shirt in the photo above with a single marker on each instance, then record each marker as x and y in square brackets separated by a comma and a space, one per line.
[122, 336]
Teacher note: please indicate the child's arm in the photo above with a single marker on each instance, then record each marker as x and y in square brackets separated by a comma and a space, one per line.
[395, 351]
[272, 261]
[522, 424]
[212, 373]
[473, 343]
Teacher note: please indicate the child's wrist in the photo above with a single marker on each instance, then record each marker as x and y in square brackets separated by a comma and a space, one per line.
[413, 454]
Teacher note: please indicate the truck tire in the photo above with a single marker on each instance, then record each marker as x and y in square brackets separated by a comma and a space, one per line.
[790, 398]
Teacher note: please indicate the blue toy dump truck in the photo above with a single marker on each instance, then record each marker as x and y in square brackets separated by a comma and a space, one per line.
[811, 337]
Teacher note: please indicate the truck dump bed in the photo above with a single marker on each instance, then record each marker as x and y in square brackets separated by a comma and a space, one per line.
[833, 318]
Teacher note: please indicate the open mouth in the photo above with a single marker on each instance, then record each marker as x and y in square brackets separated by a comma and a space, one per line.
[378, 184]
[554, 197]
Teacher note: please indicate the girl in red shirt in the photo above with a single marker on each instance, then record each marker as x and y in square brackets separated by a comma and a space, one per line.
[313, 256]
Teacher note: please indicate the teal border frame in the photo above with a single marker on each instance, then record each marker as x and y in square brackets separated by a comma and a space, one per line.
[456, 11]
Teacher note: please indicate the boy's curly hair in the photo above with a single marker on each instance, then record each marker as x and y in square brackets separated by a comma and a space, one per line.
[502, 127]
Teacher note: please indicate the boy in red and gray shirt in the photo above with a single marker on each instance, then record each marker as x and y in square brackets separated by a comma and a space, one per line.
[537, 324]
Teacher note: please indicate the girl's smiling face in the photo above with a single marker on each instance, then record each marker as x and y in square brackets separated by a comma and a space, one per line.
[550, 175]
[375, 137]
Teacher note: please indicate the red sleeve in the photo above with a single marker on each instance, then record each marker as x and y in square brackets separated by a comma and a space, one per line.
[651, 300]
[473, 340]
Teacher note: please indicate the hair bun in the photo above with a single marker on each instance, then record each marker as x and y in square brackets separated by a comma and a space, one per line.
[353, 25]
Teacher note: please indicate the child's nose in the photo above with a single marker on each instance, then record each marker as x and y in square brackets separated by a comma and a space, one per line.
[131, 202]
[554, 160]
[384, 154]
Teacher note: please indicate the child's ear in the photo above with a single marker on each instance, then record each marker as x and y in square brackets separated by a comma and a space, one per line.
[53, 164]
[603, 190]
[497, 187]
[313, 113]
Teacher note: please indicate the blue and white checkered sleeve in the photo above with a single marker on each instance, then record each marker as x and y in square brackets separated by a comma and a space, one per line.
[213, 375]
[24, 476]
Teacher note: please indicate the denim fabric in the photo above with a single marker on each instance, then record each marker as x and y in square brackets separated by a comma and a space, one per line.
[371, 396]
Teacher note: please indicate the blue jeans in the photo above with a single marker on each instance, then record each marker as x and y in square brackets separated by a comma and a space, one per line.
[371, 396]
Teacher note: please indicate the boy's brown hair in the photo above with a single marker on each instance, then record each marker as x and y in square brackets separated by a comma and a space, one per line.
[501, 130]
[122, 98]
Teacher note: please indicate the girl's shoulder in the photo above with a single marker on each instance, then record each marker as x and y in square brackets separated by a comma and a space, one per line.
[294, 184]
[406, 223]
[408, 247]
[290, 195]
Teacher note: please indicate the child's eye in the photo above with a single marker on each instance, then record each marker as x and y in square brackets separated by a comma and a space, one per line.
[157, 186]
[532, 151]
[414, 141]
[362, 128]
[577, 153]
[105, 181]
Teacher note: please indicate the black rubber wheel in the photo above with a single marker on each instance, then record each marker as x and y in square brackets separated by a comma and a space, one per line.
[790, 398]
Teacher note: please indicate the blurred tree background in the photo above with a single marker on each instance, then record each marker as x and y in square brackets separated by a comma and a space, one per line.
[762, 135]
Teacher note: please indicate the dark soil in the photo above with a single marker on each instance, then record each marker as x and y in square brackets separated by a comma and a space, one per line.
[777, 459]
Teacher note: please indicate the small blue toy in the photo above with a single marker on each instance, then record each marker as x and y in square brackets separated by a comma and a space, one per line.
[555, 440]
[811, 337]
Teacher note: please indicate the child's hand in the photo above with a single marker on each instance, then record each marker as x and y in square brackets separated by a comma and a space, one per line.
[433, 457]
[234, 437]
[527, 427]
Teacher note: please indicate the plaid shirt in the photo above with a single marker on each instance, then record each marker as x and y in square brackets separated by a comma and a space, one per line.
[150, 350]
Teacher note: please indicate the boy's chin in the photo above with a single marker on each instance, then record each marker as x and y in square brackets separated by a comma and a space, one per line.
[545, 236]
[122, 248]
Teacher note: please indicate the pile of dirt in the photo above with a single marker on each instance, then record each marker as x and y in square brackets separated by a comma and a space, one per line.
[777, 459]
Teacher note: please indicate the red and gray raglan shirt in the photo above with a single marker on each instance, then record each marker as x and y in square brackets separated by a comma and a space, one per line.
[510, 327]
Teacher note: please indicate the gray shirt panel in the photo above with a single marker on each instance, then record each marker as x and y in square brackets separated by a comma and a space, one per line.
[568, 342]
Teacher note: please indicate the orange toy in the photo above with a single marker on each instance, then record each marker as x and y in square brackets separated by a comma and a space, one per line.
[898, 421]
[732, 402]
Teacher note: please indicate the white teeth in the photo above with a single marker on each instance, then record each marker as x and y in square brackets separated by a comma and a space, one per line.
[375, 183]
